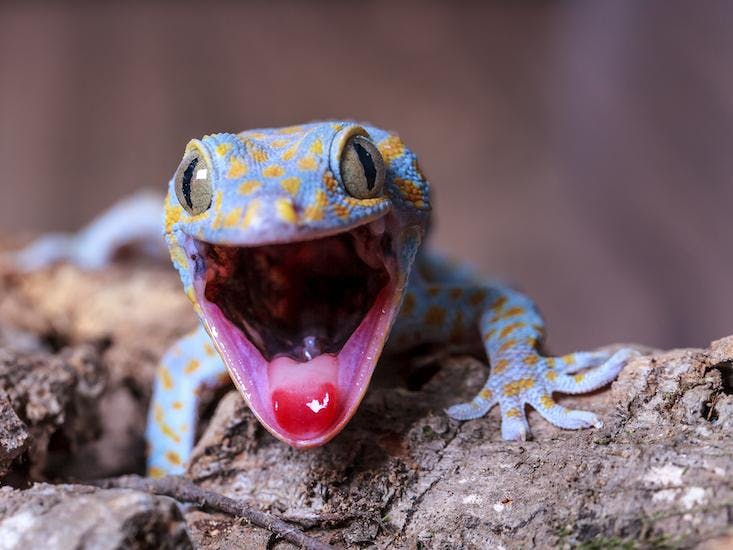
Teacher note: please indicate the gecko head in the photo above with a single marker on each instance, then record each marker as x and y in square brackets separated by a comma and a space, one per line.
[294, 246]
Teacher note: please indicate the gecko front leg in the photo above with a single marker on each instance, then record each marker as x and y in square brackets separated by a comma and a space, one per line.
[188, 367]
[511, 331]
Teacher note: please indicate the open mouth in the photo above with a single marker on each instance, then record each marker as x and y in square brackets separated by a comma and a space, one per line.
[300, 325]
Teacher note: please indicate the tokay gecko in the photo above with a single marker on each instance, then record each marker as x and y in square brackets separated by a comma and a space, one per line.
[300, 249]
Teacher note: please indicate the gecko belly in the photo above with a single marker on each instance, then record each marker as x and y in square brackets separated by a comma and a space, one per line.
[300, 325]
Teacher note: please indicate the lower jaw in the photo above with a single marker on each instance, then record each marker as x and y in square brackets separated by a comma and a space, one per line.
[304, 404]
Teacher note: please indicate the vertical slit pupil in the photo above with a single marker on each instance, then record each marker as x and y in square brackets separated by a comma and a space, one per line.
[186, 181]
[367, 162]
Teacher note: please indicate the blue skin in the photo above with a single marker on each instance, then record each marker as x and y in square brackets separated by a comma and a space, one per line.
[270, 186]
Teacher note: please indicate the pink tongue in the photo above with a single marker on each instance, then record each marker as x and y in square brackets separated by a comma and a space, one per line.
[304, 397]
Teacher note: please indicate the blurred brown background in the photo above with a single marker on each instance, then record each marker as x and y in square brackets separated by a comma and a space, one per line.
[579, 149]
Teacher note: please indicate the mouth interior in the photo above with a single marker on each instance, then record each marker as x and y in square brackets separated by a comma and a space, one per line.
[297, 300]
[312, 310]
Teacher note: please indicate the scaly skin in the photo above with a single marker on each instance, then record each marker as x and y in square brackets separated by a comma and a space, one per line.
[277, 186]
[282, 185]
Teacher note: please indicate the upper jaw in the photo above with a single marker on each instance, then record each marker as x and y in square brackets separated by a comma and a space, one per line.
[301, 333]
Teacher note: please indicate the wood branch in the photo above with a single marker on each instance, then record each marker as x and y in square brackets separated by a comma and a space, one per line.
[183, 490]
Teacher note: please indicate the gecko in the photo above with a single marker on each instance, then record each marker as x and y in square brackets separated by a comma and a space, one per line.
[300, 249]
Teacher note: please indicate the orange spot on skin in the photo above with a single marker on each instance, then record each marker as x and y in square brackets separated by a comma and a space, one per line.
[209, 350]
[177, 405]
[317, 147]
[165, 377]
[191, 293]
[314, 212]
[506, 346]
[391, 148]
[477, 297]
[351, 201]
[165, 428]
[307, 163]
[249, 187]
[251, 213]
[192, 366]
[489, 334]
[547, 401]
[511, 312]
[569, 359]
[172, 216]
[530, 360]
[500, 303]
[257, 153]
[285, 210]
[273, 171]
[178, 256]
[237, 168]
[500, 366]
[507, 330]
[512, 413]
[231, 219]
[289, 153]
[278, 143]
[291, 185]
[411, 192]
[408, 305]
[156, 472]
[330, 181]
[485, 394]
[341, 211]
[223, 148]
[433, 291]
[518, 386]
[173, 457]
[291, 130]
[551, 375]
[434, 316]
[579, 377]
[218, 200]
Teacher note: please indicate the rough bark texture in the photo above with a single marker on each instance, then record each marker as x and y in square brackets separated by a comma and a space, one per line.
[77, 353]
[14, 436]
[54, 325]
[49, 402]
[77, 516]
[402, 474]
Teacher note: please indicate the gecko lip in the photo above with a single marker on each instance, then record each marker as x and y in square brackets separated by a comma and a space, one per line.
[301, 325]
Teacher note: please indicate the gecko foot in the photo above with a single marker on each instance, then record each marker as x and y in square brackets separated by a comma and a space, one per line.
[524, 377]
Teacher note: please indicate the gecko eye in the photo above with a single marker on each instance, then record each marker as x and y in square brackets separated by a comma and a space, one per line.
[362, 168]
[193, 184]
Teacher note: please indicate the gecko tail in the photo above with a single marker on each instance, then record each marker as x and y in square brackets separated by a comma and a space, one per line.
[136, 220]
